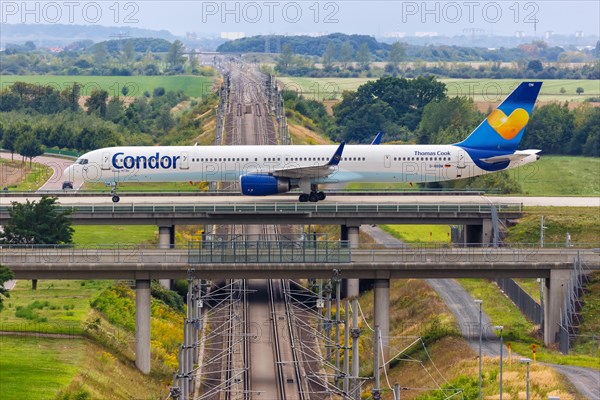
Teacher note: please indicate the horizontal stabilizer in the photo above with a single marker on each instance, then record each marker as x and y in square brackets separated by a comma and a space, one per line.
[517, 155]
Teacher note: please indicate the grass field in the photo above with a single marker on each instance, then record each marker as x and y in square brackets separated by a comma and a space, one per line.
[20, 177]
[419, 233]
[193, 86]
[147, 187]
[582, 223]
[57, 306]
[517, 329]
[38, 367]
[102, 234]
[489, 90]
[560, 176]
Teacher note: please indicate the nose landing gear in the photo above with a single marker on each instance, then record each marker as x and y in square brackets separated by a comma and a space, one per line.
[113, 192]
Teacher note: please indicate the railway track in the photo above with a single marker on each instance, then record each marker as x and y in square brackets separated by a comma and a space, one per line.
[255, 363]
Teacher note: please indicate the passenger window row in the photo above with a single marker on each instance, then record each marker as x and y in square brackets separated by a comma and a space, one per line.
[421, 158]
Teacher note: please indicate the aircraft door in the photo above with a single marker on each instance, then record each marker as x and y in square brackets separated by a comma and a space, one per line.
[387, 161]
[461, 159]
[105, 161]
[184, 161]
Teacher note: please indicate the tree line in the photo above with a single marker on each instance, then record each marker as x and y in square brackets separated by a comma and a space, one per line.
[420, 111]
[38, 117]
[339, 47]
[139, 56]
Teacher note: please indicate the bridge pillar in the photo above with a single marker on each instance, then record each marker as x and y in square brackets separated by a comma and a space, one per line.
[354, 239]
[142, 325]
[555, 292]
[487, 233]
[166, 240]
[382, 313]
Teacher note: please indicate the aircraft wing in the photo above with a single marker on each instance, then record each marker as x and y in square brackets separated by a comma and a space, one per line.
[313, 171]
[517, 155]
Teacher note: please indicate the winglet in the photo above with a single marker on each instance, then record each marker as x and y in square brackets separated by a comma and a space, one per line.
[377, 139]
[337, 156]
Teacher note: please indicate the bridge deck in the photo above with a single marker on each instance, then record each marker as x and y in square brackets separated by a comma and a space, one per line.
[366, 264]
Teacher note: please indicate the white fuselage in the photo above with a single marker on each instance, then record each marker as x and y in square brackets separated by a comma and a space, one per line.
[359, 163]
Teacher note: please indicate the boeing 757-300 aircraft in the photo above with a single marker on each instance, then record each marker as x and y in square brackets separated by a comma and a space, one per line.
[268, 170]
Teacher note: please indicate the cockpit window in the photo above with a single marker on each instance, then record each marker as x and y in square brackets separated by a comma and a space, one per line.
[81, 161]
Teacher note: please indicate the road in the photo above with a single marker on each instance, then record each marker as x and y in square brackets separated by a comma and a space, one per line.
[466, 312]
[58, 166]
[197, 198]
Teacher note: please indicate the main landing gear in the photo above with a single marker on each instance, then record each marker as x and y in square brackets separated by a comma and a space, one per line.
[313, 197]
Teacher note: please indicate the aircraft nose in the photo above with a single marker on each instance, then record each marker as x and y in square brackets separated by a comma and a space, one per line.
[69, 173]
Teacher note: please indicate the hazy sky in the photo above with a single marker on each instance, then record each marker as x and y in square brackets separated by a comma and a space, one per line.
[348, 16]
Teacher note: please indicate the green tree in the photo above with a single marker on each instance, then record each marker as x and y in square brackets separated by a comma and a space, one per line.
[193, 60]
[114, 108]
[549, 129]
[40, 222]
[363, 56]
[164, 121]
[579, 90]
[535, 66]
[99, 54]
[96, 103]
[28, 146]
[71, 96]
[8, 139]
[407, 98]
[329, 55]
[346, 54]
[590, 128]
[5, 276]
[286, 58]
[448, 120]
[128, 51]
[397, 54]
[368, 120]
[175, 55]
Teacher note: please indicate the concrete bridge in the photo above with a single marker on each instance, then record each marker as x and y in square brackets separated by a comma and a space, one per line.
[142, 265]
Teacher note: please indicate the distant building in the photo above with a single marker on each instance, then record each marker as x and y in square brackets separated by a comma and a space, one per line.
[232, 35]
[394, 35]
[426, 34]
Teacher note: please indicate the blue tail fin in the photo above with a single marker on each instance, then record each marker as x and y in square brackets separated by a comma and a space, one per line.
[503, 128]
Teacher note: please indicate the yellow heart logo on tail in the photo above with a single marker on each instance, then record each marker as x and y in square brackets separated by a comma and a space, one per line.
[508, 127]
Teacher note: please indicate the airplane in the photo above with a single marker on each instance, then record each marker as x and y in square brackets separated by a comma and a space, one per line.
[270, 170]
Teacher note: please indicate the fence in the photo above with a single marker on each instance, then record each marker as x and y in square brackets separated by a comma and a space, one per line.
[528, 306]
[267, 251]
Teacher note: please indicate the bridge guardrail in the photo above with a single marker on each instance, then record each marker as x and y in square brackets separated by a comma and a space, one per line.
[266, 251]
[290, 208]
[283, 252]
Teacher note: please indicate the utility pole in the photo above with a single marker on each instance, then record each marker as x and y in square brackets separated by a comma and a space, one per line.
[346, 348]
[542, 227]
[327, 293]
[337, 324]
[355, 348]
